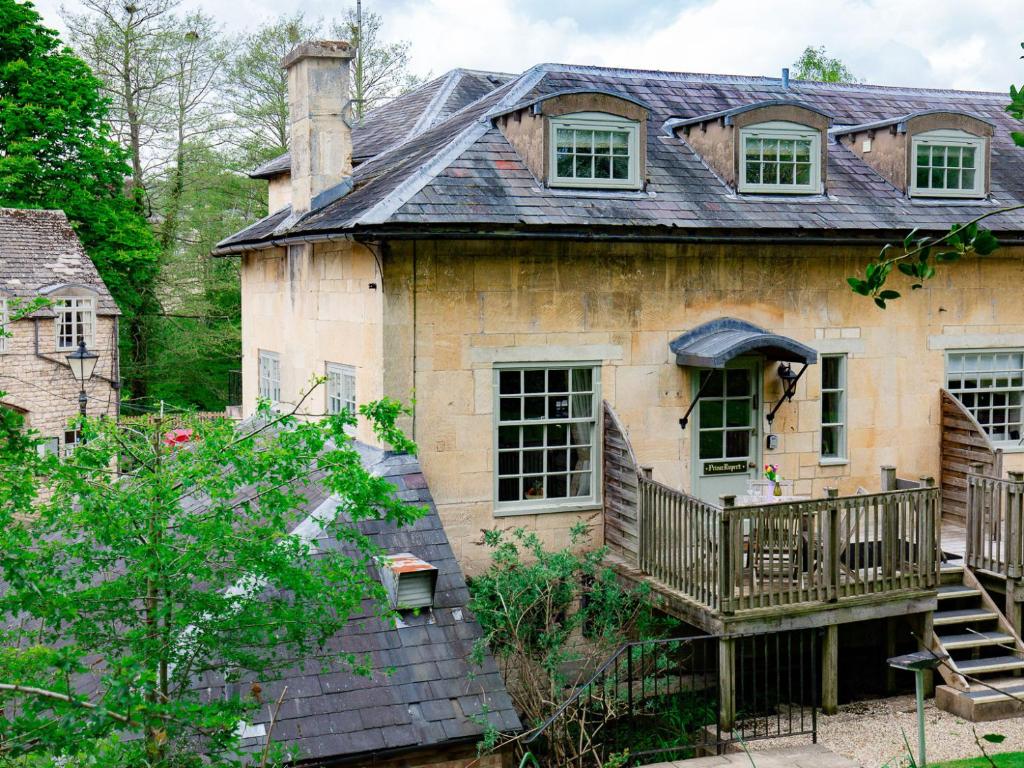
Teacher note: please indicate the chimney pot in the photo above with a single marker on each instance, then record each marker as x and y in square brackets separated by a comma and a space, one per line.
[318, 100]
[785, 78]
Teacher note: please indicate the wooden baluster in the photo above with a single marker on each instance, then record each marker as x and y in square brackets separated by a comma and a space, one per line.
[1015, 526]
[725, 541]
[927, 545]
[832, 549]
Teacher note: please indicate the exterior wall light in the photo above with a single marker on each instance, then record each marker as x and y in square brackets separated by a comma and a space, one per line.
[82, 363]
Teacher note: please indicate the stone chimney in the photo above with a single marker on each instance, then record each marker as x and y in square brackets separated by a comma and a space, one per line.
[321, 139]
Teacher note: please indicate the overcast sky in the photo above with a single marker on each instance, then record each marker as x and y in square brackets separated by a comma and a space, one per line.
[935, 43]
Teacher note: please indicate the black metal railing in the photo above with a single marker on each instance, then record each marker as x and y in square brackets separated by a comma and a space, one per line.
[666, 699]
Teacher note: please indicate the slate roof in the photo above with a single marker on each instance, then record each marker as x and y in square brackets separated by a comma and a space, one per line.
[39, 251]
[464, 175]
[434, 690]
[406, 116]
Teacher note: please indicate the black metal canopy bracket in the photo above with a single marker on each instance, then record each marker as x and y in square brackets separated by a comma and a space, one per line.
[787, 396]
[700, 393]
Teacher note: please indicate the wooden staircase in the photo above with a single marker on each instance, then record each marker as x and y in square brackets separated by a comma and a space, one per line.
[981, 644]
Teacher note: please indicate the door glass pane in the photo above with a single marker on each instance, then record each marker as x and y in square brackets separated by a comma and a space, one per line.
[737, 382]
[714, 388]
[710, 414]
[737, 413]
[737, 443]
[711, 445]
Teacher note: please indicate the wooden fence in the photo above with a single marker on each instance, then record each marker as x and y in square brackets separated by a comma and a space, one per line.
[964, 442]
[621, 484]
[995, 523]
[821, 550]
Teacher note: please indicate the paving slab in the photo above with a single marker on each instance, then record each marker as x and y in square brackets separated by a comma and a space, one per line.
[807, 756]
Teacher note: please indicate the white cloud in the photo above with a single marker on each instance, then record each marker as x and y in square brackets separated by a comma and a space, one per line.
[936, 43]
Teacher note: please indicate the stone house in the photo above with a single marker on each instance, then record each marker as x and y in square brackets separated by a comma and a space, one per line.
[615, 295]
[42, 258]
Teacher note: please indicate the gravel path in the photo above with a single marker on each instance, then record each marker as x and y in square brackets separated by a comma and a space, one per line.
[871, 733]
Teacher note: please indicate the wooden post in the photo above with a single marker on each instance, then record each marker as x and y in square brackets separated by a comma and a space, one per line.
[974, 517]
[927, 635]
[647, 471]
[933, 535]
[832, 549]
[725, 555]
[726, 684]
[830, 670]
[1014, 526]
[891, 624]
[888, 482]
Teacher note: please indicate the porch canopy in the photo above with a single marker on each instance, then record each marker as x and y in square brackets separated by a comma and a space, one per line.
[715, 343]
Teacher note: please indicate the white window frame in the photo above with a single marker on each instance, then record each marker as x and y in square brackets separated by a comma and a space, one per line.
[949, 138]
[268, 372]
[558, 504]
[1008, 444]
[778, 129]
[843, 390]
[341, 396]
[4, 324]
[71, 305]
[594, 121]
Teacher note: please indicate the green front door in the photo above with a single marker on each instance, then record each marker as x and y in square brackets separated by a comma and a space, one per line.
[726, 433]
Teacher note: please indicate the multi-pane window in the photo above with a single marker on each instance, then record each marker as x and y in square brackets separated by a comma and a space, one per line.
[779, 157]
[4, 329]
[270, 376]
[72, 437]
[947, 164]
[991, 386]
[76, 321]
[594, 151]
[341, 388]
[547, 432]
[833, 406]
[727, 414]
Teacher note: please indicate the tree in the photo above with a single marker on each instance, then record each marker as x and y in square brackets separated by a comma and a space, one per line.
[917, 256]
[58, 152]
[150, 562]
[380, 70]
[257, 87]
[816, 64]
[127, 46]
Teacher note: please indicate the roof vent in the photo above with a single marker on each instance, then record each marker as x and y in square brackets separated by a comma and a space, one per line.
[410, 582]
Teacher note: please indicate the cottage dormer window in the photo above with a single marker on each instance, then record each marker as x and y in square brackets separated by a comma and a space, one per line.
[591, 149]
[947, 164]
[76, 321]
[780, 157]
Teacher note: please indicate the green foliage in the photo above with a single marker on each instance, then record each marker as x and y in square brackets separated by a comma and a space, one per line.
[58, 153]
[1016, 109]
[123, 587]
[816, 64]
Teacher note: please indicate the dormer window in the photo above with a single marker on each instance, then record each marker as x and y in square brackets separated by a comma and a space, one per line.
[947, 164]
[780, 158]
[594, 150]
[76, 321]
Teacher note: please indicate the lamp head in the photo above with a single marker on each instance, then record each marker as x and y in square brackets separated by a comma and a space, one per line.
[82, 363]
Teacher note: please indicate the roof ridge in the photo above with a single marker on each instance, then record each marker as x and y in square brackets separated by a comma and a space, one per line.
[426, 118]
[764, 79]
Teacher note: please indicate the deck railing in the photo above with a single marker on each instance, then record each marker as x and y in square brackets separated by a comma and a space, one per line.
[995, 523]
[733, 559]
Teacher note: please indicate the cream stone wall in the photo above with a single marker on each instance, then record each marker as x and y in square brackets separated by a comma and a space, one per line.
[312, 304]
[478, 303]
[37, 380]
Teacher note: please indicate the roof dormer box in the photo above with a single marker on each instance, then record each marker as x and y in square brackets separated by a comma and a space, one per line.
[771, 147]
[580, 139]
[926, 154]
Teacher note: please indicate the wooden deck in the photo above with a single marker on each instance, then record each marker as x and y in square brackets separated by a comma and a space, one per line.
[954, 536]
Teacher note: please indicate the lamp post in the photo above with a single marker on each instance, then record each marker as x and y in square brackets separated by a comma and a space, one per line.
[82, 363]
[919, 663]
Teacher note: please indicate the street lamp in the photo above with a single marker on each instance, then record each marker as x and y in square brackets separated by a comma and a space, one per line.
[919, 663]
[82, 363]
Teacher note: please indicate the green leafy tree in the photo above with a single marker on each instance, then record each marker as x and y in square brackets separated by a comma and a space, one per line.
[919, 255]
[56, 151]
[146, 565]
[816, 64]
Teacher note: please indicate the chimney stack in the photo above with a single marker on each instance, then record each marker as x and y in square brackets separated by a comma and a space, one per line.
[318, 101]
[785, 78]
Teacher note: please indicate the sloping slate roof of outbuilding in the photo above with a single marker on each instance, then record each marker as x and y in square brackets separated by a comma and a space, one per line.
[464, 173]
[39, 250]
[424, 690]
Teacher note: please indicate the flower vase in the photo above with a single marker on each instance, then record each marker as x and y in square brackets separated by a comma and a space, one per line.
[777, 488]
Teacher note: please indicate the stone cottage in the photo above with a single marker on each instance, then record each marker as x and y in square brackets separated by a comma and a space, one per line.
[615, 295]
[42, 258]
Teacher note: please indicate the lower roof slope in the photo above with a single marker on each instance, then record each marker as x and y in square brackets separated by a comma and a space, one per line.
[463, 174]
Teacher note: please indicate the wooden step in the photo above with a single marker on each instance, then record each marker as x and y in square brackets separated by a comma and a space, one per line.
[981, 694]
[973, 640]
[994, 664]
[955, 591]
[962, 616]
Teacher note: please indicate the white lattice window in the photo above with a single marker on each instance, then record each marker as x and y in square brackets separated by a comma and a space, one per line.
[990, 384]
[947, 164]
[76, 321]
[270, 376]
[780, 157]
[341, 388]
[4, 328]
[833, 407]
[591, 149]
[546, 437]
